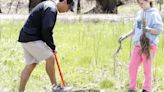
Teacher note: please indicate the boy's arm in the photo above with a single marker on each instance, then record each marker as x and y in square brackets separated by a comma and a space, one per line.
[48, 22]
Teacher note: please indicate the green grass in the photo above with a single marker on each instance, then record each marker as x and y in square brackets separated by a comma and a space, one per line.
[85, 52]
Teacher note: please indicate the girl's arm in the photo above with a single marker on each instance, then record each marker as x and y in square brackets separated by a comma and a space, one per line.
[126, 36]
[129, 34]
[153, 31]
[157, 24]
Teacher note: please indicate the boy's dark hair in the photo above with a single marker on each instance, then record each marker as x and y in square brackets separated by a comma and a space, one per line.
[68, 1]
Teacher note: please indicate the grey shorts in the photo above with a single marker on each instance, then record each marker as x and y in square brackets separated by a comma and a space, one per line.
[36, 51]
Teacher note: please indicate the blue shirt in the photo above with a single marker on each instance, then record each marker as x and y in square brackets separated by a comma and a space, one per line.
[153, 20]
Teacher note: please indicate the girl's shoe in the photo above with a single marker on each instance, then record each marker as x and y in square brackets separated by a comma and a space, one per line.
[144, 90]
[132, 91]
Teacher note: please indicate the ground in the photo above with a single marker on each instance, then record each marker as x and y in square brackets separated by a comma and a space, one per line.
[85, 44]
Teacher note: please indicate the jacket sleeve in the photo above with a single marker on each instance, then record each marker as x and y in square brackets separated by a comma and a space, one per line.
[157, 22]
[48, 22]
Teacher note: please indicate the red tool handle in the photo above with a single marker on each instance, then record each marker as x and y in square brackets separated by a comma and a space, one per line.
[61, 76]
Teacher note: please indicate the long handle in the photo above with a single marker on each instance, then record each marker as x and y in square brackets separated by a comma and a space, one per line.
[61, 76]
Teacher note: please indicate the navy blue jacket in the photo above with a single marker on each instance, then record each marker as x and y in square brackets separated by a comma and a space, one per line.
[40, 24]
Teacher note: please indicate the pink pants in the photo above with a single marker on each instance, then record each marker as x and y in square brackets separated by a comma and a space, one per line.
[136, 60]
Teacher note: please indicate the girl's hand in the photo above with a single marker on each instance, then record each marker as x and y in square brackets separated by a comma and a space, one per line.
[121, 38]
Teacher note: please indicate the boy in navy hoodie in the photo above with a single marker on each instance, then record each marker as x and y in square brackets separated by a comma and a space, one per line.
[36, 38]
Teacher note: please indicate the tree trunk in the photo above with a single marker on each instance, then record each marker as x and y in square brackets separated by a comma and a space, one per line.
[101, 6]
[0, 8]
[78, 6]
[106, 6]
[160, 2]
[33, 3]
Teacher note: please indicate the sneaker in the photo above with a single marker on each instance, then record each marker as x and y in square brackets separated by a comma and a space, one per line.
[144, 90]
[58, 88]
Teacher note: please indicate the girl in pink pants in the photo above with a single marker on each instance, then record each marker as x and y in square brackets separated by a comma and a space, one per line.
[147, 27]
[136, 59]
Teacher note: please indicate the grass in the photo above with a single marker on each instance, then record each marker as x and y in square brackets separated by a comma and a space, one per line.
[85, 52]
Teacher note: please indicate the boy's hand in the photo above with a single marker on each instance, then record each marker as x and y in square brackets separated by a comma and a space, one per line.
[55, 52]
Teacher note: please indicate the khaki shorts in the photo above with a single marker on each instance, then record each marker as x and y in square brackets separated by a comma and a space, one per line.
[36, 51]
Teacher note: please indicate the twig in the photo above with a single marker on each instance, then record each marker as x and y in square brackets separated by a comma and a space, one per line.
[114, 57]
[130, 47]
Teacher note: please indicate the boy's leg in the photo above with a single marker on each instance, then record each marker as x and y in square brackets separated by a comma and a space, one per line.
[35, 52]
[133, 67]
[50, 69]
[147, 63]
[25, 76]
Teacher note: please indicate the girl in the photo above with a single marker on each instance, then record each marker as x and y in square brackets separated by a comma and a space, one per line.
[147, 26]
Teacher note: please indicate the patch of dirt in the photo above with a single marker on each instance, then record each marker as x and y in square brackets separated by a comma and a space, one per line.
[85, 90]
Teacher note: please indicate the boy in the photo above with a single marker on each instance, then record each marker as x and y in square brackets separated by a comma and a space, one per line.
[37, 40]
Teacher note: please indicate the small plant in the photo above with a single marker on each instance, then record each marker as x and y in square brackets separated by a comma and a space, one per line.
[161, 87]
[107, 84]
[139, 84]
